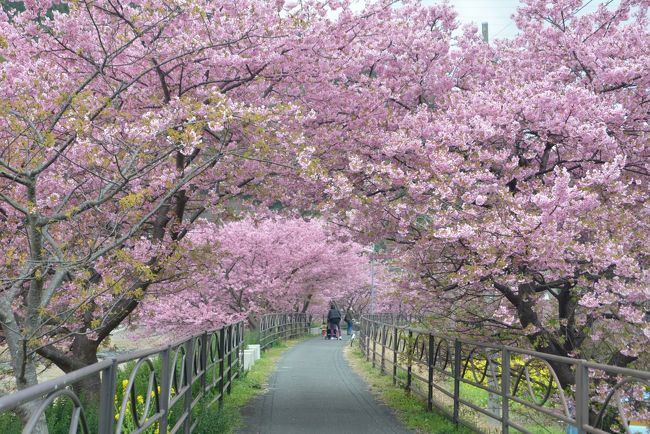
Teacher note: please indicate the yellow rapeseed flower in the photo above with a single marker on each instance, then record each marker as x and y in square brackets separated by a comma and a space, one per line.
[140, 399]
[125, 383]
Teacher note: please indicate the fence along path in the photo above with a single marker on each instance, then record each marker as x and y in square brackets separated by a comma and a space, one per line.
[161, 387]
[496, 388]
[313, 390]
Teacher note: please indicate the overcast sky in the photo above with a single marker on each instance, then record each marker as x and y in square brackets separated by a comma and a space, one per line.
[497, 13]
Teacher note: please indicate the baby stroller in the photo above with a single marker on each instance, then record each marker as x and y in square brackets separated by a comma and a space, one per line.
[327, 332]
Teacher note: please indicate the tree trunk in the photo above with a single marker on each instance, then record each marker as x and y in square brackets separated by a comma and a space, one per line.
[254, 321]
[85, 352]
[306, 303]
[494, 400]
[23, 365]
[544, 340]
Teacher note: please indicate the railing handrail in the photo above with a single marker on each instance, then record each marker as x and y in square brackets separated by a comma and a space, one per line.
[553, 357]
[67, 379]
[487, 366]
[270, 324]
[211, 359]
[10, 401]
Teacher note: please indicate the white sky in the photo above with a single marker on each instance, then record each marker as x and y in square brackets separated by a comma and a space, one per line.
[497, 13]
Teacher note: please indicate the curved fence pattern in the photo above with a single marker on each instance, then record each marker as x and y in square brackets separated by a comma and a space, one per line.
[275, 327]
[164, 389]
[496, 388]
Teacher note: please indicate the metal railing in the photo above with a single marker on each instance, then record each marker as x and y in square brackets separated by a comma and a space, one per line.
[497, 388]
[275, 327]
[162, 388]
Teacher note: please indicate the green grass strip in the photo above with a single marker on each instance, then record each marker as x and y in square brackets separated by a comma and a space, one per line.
[410, 409]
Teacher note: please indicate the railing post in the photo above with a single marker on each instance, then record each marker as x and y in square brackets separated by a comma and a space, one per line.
[394, 355]
[238, 352]
[368, 327]
[106, 404]
[374, 344]
[457, 360]
[409, 375]
[165, 388]
[582, 396]
[204, 360]
[285, 328]
[383, 347]
[222, 357]
[187, 399]
[430, 377]
[229, 358]
[505, 390]
[242, 331]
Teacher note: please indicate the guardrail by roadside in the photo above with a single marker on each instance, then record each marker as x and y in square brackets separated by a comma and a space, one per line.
[496, 388]
[275, 327]
[164, 388]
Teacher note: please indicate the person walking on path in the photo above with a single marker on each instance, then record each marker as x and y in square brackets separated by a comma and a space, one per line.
[334, 321]
[348, 320]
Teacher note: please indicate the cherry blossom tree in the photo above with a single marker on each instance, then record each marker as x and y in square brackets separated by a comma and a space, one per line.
[123, 124]
[114, 119]
[526, 188]
[513, 175]
[249, 267]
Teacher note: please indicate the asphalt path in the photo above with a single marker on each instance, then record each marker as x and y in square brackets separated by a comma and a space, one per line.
[313, 390]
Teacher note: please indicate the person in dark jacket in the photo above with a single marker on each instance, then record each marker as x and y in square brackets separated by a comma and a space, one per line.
[334, 321]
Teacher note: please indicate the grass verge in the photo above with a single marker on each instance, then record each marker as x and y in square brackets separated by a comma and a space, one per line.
[227, 420]
[410, 409]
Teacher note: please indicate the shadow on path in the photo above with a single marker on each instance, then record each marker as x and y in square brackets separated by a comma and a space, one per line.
[313, 390]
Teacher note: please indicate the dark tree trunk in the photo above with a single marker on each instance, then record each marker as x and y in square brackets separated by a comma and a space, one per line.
[254, 321]
[83, 352]
[545, 341]
[306, 304]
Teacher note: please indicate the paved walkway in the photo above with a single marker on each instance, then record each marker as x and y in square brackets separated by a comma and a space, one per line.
[314, 391]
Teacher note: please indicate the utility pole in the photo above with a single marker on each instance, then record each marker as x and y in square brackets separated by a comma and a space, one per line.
[484, 31]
